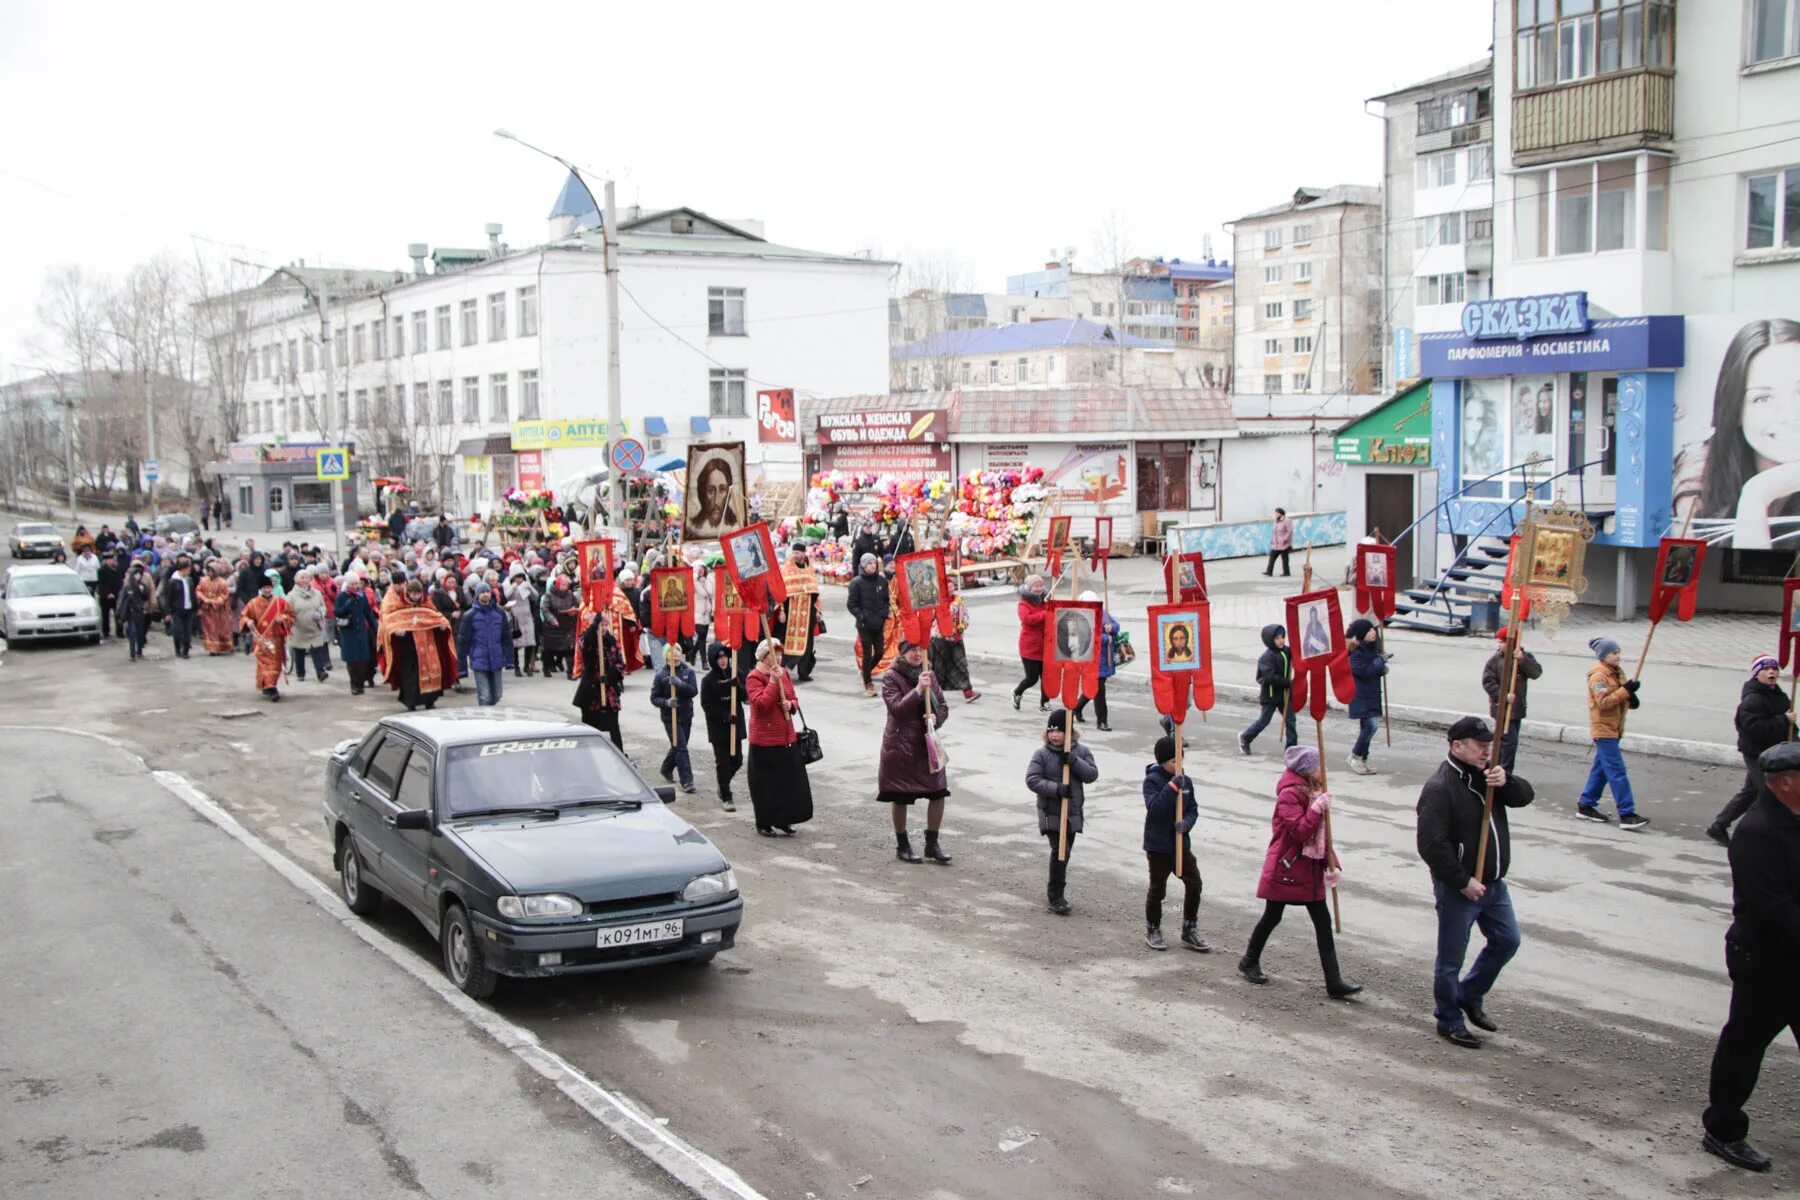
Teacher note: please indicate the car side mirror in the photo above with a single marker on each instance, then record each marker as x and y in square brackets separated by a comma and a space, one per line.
[342, 749]
[411, 818]
[666, 794]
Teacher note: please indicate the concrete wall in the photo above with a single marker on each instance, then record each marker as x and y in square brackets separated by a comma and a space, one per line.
[1294, 471]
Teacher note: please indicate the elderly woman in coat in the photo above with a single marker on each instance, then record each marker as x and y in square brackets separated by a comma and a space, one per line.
[912, 763]
[1299, 866]
[561, 606]
[310, 637]
[356, 630]
[521, 598]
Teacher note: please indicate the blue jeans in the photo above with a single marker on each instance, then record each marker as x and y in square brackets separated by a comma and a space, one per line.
[1456, 913]
[321, 660]
[487, 687]
[1365, 735]
[1262, 722]
[1608, 768]
[1509, 747]
[676, 762]
[134, 637]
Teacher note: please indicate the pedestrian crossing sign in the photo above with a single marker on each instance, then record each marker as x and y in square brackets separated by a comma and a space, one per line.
[333, 463]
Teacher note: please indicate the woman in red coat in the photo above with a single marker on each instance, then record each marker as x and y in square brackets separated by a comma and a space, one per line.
[779, 791]
[1298, 869]
[1031, 638]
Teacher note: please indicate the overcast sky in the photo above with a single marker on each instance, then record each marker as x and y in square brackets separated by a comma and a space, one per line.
[979, 132]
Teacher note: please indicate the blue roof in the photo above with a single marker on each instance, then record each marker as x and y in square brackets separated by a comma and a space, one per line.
[656, 426]
[1207, 270]
[664, 462]
[574, 201]
[1029, 335]
[699, 424]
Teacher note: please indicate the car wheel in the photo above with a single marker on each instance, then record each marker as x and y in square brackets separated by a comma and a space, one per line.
[93, 639]
[463, 961]
[362, 897]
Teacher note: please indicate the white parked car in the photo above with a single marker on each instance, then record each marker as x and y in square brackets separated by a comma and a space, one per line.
[34, 539]
[47, 602]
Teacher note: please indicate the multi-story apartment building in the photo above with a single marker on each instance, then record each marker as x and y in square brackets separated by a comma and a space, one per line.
[1307, 300]
[1153, 298]
[490, 372]
[1438, 222]
[1640, 354]
[1067, 352]
[1202, 294]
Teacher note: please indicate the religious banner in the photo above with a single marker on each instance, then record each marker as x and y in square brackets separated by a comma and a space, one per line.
[672, 603]
[1506, 586]
[797, 628]
[595, 557]
[1184, 575]
[1057, 545]
[750, 558]
[923, 595]
[1677, 580]
[731, 616]
[1181, 667]
[1315, 633]
[1103, 543]
[1071, 650]
[1375, 569]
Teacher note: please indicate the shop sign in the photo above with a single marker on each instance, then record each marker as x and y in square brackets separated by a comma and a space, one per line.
[554, 435]
[894, 427]
[282, 452]
[904, 460]
[531, 470]
[775, 423]
[1521, 317]
[1623, 344]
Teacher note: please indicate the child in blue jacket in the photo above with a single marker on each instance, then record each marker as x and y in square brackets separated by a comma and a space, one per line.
[1161, 786]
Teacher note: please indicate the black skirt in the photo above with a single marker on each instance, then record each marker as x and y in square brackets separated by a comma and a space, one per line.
[779, 791]
[950, 663]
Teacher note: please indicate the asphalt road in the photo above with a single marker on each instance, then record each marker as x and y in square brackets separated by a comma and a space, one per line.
[907, 1031]
[182, 1021]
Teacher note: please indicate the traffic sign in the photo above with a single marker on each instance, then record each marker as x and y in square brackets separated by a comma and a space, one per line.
[152, 470]
[627, 454]
[333, 463]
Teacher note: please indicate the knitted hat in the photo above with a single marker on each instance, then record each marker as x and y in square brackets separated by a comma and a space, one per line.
[1165, 749]
[1602, 646]
[1761, 663]
[1302, 760]
[1059, 719]
[1501, 632]
[1358, 629]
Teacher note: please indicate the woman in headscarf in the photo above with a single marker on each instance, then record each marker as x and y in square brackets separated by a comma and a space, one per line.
[560, 607]
[779, 791]
[416, 646]
[949, 658]
[722, 700]
[602, 671]
[267, 619]
[800, 620]
[310, 637]
[912, 766]
[520, 599]
[356, 631]
[214, 595]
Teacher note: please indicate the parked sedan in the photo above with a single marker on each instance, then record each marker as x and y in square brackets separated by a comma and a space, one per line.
[34, 539]
[47, 601]
[173, 525]
[527, 845]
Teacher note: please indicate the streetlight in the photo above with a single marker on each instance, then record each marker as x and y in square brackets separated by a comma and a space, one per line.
[615, 419]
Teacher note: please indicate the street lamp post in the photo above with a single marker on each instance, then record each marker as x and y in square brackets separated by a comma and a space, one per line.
[615, 419]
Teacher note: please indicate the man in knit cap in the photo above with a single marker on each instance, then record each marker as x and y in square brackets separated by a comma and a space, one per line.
[1764, 718]
[1609, 696]
[1493, 682]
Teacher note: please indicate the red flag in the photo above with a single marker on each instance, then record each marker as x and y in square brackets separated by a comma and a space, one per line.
[1184, 577]
[1375, 567]
[923, 595]
[596, 563]
[1103, 541]
[750, 557]
[731, 617]
[1071, 649]
[1677, 580]
[1181, 658]
[1790, 617]
[1506, 588]
[672, 603]
[1315, 633]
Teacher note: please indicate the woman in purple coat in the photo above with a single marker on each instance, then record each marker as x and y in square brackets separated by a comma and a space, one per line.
[912, 765]
[1298, 869]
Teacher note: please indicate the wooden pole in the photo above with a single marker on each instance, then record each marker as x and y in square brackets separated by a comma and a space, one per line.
[1337, 917]
[1306, 570]
[1179, 748]
[1648, 637]
[1062, 837]
[1381, 649]
[1509, 671]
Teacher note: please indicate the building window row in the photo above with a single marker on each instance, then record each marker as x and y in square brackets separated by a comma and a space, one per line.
[1772, 216]
[1563, 41]
[1774, 30]
[1590, 208]
[725, 312]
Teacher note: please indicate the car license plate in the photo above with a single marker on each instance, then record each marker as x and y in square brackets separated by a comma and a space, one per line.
[54, 628]
[642, 935]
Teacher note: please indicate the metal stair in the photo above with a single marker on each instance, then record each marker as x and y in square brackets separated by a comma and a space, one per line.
[1448, 605]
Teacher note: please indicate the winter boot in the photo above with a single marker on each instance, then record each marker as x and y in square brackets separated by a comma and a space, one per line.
[727, 803]
[1251, 969]
[1336, 986]
[1058, 904]
[1153, 938]
[933, 851]
[1190, 937]
[903, 849]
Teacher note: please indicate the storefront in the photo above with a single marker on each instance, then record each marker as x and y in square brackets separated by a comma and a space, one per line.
[900, 443]
[275, 487]
[1391, 480]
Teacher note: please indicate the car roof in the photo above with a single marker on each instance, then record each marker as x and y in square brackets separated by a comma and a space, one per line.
[474, 726]
[33, 525]
[39, 569]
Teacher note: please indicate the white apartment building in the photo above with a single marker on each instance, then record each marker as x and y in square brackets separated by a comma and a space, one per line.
[1438, 221]
[1307, 294]
[491, 370]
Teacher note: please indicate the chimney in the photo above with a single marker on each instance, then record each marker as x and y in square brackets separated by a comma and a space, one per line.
[493, 232]
[417, 252]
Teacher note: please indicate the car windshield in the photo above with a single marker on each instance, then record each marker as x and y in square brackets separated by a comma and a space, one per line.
[537, 773]
[35, 530]
[48, 585]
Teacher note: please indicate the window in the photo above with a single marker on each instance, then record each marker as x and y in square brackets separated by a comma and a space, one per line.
[471, 323]
[399, 337]
[1481, 162]
[1592, 206]
[343, 410]
[1303, 345]
[497, 317]
[1274, 310]
[443, 327]
[1772, 211]
[1162, 471]
[1271, 345]
[993, 370]
[362, 408]
[1478, 226]
[1302, 272]
[415, 784]
[1441, 289]
[497, 398]
[471, 405]
[421, 404]
[528, 311]
[725, 312]
[386, 415]
[1445, 229]
[1303, 310]
[528, 395]
[1299, 381]
[1774, 29]
[359, 338]
[1564, 41]
[306, 354]
[1575, 209]
[1023, 373]
[1302, 235]
[1096, 308]
[725, 390]
[385, 768]
[1272, 274]
[1656, 205]
[419, 332]
[1448, 112]
[1272, 385]
[1271, 239]
[1615, 205]
[337, 346]
[446, 402]
[963, 372]
[378, 339]
[1435, 170]
[255, 372]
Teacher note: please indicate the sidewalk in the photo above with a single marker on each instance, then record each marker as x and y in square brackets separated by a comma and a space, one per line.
[1690, 685]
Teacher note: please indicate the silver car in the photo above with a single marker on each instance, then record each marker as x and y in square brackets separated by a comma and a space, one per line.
[34, 539]
[47, 601]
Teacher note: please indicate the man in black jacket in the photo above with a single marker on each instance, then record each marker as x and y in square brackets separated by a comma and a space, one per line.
[106, 590]
[1492, 681]
[1274, 674]
[1764, 719]
[182, 604]
[868, 604]
[1450, 825]
[1762, 953]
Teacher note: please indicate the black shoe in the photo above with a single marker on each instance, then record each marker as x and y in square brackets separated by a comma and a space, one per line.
[356, 691]
[1153, 938]
[668, 774]
[935, 852]
[1588, 812]
[1458, 1035]
[1342, 989]
[903, 849]
[1478, 1018]
[1633, 822]
[1103, 727]
[1739, 1153]
[1243, 746]
[1190, 937]
[1059, 906]
[1719, 833]
[1250, 969]
[767, 831]
[726, 803]
[1044, 706]
[689, 788]
[1016, 699]
[786, 830]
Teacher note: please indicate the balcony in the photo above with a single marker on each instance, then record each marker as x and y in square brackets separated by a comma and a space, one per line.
[1478, 255]
[1621, 111]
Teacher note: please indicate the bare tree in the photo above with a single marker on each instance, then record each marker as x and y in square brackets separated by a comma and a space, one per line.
[220, 313]
[923, 287]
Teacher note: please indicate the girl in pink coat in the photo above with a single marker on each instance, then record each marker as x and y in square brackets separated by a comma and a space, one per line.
[1298, 869]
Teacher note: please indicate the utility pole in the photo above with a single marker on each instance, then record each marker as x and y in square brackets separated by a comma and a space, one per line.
[330, 424]
[152, 477]
[68, 407]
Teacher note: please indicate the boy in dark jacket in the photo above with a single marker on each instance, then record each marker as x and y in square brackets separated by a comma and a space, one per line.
[1492, 680]
[1274, 674]
[1764, 719]
[1161, 786]
[1367, 665]
[673, 693]
[1044, 776]
[717, 687]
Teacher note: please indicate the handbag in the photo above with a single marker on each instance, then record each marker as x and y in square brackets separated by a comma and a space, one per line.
[1123, 650]
[806, 739]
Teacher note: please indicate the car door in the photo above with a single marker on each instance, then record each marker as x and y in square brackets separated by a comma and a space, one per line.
[354, 804]
[409, 850]
[380, 778]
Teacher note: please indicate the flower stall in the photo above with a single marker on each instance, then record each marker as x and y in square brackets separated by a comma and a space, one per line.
[994, 511]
